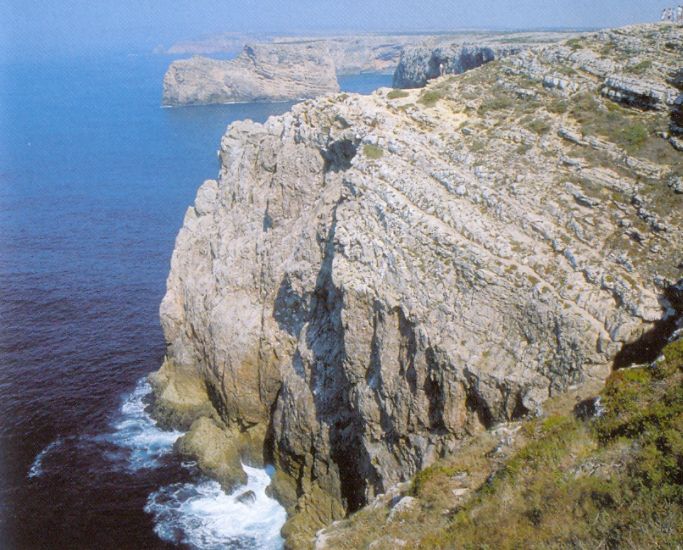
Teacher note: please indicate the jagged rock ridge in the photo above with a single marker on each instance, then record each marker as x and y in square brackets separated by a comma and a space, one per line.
[373, 278]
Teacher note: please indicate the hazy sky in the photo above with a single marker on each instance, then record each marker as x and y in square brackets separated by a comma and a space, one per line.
[30, 27]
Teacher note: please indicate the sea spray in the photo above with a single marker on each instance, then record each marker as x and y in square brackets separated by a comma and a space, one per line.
[204, 516]
[37, 468]
[137, 433]
[199, 513]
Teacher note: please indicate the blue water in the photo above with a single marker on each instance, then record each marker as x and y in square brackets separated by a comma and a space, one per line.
[94, 180]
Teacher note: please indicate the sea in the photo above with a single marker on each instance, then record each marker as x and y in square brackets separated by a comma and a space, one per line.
[95, 177]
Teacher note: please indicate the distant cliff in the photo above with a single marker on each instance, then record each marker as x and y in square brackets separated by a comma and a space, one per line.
[260, 73]
[371, 280]
[420, 64]
[362, 53]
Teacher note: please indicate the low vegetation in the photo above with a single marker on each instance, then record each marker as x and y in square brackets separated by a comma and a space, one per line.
[429, 98]
[575, 43]
[640, 68]
[373, 151]
[397, 94]
[612, 482]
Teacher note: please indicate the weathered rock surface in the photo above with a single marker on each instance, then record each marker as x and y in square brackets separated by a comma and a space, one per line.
[420, 64]
[373, 278]
[259, 73]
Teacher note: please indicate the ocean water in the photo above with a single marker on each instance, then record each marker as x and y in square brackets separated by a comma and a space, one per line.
[94, 180]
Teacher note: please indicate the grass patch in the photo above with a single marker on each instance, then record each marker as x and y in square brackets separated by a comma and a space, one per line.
[575, 43]
[640, 68]
[558, 107]
[431, 97]
[523, 149]
[626, 128]
[634, 136]
[373, 152]
[497, 103]
[397, 94]
[539, 126]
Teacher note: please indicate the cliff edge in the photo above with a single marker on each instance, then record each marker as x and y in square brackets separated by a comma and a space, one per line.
[372, 280]
[260, 73]
[417, 65]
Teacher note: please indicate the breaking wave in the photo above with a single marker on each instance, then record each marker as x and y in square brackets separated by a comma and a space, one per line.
[37, 468]
[137, 433]
[202, 515]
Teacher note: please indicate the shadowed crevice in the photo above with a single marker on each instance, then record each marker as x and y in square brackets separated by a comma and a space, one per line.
[650, 345]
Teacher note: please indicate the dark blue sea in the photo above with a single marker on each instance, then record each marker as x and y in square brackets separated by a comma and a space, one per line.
[94, 180]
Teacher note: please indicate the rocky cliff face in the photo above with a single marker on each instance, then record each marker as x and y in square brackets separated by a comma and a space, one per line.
[371, 279]
[259, 73]
[420, 64]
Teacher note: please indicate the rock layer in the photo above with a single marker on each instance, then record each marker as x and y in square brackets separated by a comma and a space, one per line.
[372, 278]
[259, 73]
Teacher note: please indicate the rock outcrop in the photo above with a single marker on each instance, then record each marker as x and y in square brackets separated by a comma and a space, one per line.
[635, 92]
[372, 279]
[259, 73]
[420, 64]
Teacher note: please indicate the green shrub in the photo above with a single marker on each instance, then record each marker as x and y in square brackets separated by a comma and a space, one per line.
[540, 126]
[565, 488]
[558, 107]
[497, 103]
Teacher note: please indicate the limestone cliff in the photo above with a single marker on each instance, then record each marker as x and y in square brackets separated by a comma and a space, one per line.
[259, 73]
[372, 279]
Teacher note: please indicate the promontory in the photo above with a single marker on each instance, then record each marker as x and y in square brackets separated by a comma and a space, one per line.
[374, 282]
[283, 72]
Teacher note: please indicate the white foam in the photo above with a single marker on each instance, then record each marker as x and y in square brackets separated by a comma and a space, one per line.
[37, 469]
[138, 434]
[202, 515]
